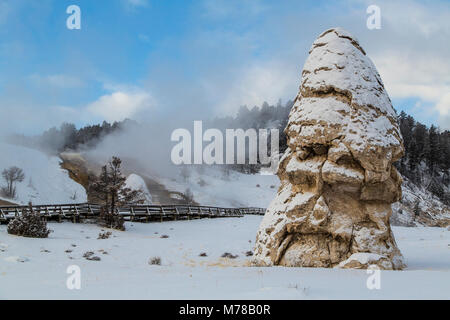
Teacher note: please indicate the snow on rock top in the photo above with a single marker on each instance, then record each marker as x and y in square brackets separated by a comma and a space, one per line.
[342, 98]
[337, 175]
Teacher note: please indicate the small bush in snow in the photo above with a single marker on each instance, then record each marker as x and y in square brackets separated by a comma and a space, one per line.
[29, 224]
[90, 256]
[155, 261]
[104, 235]
[229, 255]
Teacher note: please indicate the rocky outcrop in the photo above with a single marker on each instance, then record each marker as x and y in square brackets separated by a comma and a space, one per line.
[337, 175]
[419, 207]
[80, 172]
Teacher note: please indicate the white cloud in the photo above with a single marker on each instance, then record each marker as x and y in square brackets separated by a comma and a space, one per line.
[412, 53]
[414, 75]
[416, 17]
[57, 80]
[444, 104]
[419, 76]
[264, 81]
[119, 105]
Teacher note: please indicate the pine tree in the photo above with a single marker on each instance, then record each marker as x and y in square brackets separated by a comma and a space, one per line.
[416, 209]
[110, 187]
[433, 152]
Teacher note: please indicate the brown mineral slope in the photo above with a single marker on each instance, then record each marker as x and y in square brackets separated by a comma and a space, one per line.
[85, 171]
[337, 175]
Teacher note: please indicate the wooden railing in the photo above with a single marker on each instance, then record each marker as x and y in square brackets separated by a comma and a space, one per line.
[143, 213]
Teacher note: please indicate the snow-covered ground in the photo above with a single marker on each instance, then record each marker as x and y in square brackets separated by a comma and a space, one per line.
[124, 272]
[45, 182]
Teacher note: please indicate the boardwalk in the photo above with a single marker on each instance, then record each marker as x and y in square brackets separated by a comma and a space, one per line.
[139, 213]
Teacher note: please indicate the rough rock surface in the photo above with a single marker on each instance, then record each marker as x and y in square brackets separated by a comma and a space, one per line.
[337, 177]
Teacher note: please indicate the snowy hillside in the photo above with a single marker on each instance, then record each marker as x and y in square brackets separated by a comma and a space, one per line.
[45, 182]
[135, 182]
[36, 268]
[419, 207]
[212, 187]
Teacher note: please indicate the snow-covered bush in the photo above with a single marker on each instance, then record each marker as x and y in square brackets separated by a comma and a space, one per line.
[155, 261]
[104, 235]
[229, 255]
[29, 224]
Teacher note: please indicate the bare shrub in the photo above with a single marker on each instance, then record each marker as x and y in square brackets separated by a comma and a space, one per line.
[12, 175]
[229, 255]
[90, 256]
[104, 235]
[155, 261]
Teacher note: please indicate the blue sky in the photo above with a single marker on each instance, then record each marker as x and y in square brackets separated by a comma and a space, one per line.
[155, 59]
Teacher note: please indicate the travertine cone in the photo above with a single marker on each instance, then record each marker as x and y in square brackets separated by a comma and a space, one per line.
[337, 177]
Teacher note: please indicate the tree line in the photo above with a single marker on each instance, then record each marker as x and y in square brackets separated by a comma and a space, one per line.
[68, 137]
[427, 156]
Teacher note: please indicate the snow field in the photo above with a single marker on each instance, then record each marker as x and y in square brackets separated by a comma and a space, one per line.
[124, 272]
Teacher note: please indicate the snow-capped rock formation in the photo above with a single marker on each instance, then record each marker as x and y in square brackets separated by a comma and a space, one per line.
[337, 177]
